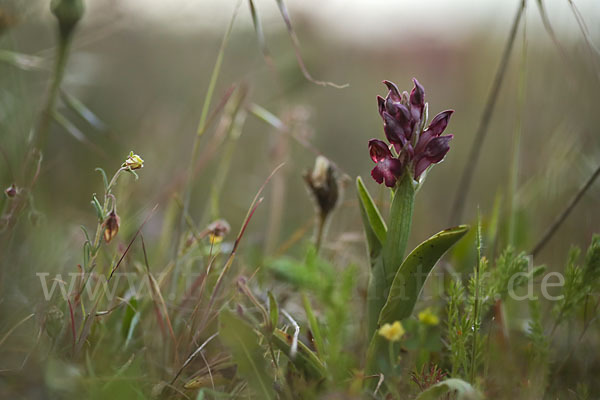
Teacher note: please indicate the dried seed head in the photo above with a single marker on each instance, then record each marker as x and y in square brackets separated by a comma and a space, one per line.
[54, 321]
[11, 191]
[218, 230]
[324, 185]
[111, 226]
[133, 161]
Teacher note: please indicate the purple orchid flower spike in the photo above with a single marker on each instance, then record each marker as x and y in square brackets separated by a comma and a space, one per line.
[394, 93]
[381, 105]
[432, 147]
[396, 118]
[402, 116]
[435, 129]
[417, 102]
[397, 131]
[434, 152]
[387, 167]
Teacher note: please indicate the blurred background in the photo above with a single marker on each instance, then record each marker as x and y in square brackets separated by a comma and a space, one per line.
[142, 67]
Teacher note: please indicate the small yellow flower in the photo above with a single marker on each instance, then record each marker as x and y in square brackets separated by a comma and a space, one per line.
[133, 161]
[214, 239]
[217, 231]
[428, 318]
[392, 332]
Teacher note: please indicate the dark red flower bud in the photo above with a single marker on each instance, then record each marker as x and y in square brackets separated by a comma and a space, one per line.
[393, 93]
[395, 132]
[440, 122]
[11, 191]
[437, 148]
[417, 102]
[378, 150]
[111, 226]
[434, 152]
[435, 129]
[387, 167]
[388, 170]
[399, 111]
[417, 95]
[381, 105]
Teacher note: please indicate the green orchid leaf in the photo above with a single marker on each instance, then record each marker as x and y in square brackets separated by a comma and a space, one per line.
[130, 311]
[386, 247]
[413, 272]
[374, 225]
[314, 325]
[242, 340]
[375, 295]
[273, 311]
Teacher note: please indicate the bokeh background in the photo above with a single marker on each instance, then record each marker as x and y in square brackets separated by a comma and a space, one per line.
[143, 67]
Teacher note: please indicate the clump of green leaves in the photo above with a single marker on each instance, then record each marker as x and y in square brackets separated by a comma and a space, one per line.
[395, 280]
[333, 290]
[468, 307]
[465, 309]
[458, 328]
[510, 271]
[539, 348]
[581, 281]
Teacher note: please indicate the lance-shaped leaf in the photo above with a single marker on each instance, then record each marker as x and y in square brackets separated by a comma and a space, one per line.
[464, 391]
[374, 226]
[241, 339]
[305, 359]
[314, 326]
[273, 311]
[413, 272]
[405, 290]
[128, 323]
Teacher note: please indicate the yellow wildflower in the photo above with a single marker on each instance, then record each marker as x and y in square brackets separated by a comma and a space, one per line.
[428, 318]
[392, 332]
[133, 161]
[214, 239]
[217, 231]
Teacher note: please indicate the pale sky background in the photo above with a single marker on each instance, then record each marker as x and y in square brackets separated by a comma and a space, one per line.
[365, 19]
